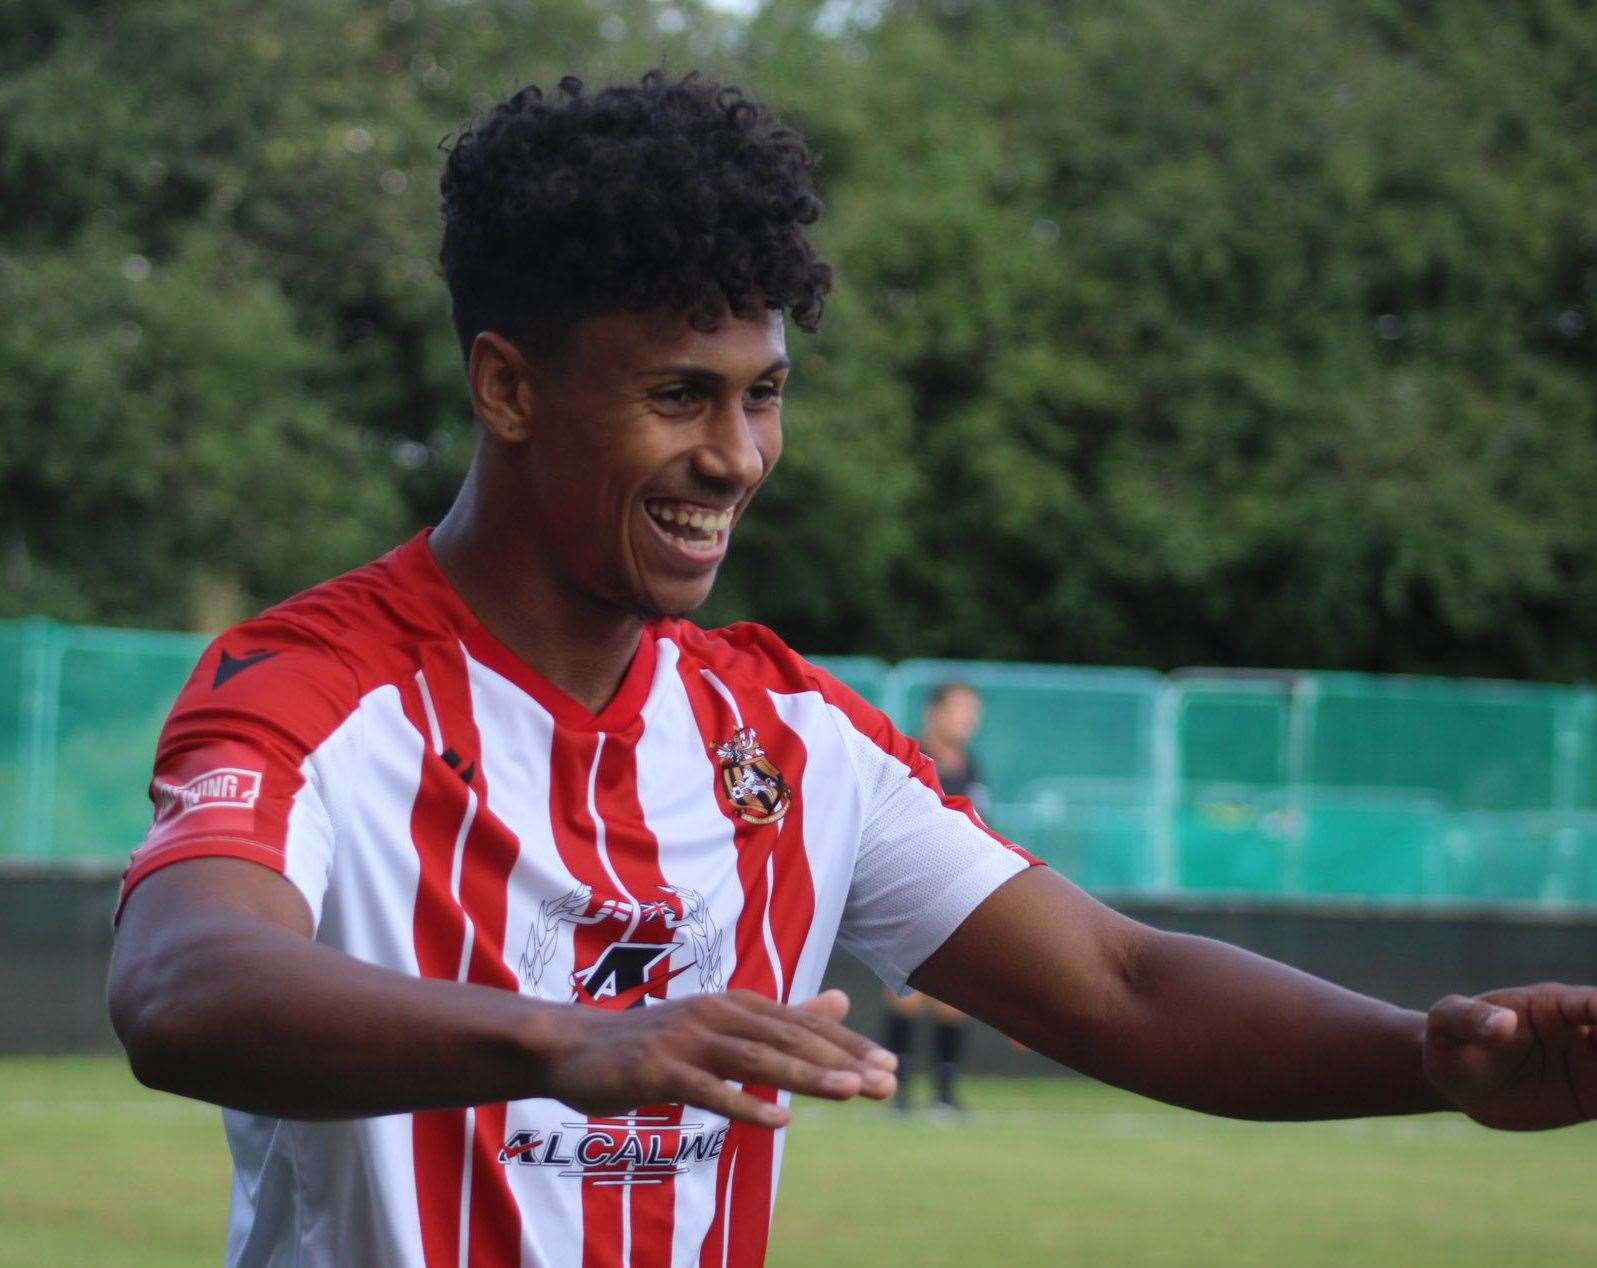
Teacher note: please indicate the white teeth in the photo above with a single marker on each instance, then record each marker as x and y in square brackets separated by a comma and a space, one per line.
[697, 529]
[714, 521]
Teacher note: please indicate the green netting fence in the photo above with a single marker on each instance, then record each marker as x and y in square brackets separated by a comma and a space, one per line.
[80, 708]
[1202, 782]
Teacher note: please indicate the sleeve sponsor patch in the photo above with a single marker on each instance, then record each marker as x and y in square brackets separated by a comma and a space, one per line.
[226, 786]
[232, 787]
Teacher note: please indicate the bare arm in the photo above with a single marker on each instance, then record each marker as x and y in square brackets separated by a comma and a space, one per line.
[1182, 1019]
[218, 992]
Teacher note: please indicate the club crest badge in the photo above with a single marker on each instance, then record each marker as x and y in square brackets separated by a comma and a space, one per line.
[752, 784]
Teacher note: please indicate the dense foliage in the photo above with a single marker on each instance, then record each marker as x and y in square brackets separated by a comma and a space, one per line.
[1253, 332]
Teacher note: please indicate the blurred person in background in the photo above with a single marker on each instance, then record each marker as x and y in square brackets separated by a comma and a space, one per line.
[948, 725]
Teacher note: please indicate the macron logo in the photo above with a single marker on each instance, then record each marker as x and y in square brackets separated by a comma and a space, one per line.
[225, 786]
[231, 666]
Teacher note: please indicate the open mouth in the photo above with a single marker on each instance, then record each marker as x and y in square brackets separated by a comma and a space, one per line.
[699, 529]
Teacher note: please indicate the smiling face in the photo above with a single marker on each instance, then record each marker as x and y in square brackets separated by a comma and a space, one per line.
[635, 450]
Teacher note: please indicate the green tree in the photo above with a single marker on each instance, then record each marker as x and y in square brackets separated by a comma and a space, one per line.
[230, 363]
[1242, 333]
[161, 442]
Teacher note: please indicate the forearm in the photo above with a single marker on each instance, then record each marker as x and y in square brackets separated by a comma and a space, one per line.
[248, 1014]
[1183, 1019]
[1216, 1028]
[219, 992]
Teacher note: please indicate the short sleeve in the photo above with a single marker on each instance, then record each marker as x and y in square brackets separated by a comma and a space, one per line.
[925, 860]
[240, 769]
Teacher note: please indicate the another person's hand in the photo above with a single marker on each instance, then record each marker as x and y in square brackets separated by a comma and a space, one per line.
[691, 1051]
[1521, 1059]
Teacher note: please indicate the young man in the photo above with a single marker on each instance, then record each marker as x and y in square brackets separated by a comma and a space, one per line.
[491, 897]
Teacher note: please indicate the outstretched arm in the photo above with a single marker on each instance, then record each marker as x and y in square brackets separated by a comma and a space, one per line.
[218, 992]
[1199, 1023]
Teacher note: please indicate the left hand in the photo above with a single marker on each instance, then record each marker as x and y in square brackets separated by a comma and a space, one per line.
[1521, 1060]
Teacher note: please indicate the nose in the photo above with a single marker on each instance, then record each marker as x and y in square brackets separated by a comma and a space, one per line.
[736, 450]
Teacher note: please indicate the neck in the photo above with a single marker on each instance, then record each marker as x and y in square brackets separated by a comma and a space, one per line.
[581, 646]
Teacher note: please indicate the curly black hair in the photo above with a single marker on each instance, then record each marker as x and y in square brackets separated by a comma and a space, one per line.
[676, 194]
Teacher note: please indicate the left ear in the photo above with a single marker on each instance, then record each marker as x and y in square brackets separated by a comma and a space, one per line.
[502, 393]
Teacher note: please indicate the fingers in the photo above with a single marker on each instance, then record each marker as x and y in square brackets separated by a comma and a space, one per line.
[747, 1039]
[811, 1031]
[753, 1062]
[704, 1090]
[782, 1035]
[822, 1016]
[1459, 1019]
[813, 1017]
[1549, 1007]
[832, 1005]
[758, 1042]
[695, 1050]
[1576, 1005]
[785, 1047]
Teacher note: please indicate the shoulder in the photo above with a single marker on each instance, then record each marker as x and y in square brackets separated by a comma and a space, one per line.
[271, 668]
[371, 619]
[304, 664]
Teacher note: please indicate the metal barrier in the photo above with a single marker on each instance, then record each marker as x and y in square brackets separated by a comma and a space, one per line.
[1205, 782]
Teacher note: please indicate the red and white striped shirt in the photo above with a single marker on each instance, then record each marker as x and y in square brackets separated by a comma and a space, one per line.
[448, 813]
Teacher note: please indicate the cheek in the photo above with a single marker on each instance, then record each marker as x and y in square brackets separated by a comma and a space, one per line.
[769, 442]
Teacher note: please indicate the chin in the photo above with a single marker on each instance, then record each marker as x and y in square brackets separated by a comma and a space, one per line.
[680, 603]
[680, 609]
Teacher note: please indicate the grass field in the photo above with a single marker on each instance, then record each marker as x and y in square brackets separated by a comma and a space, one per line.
[94, 1169]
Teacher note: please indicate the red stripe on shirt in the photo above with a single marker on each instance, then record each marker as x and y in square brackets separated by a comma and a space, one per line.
[793, 899]
[571, 760]
[789, 906]
[634, 852]
[438, 1137]
[489, 855]
[792, 908]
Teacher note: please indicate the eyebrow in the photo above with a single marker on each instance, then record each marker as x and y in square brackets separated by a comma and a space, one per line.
[703, 374]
